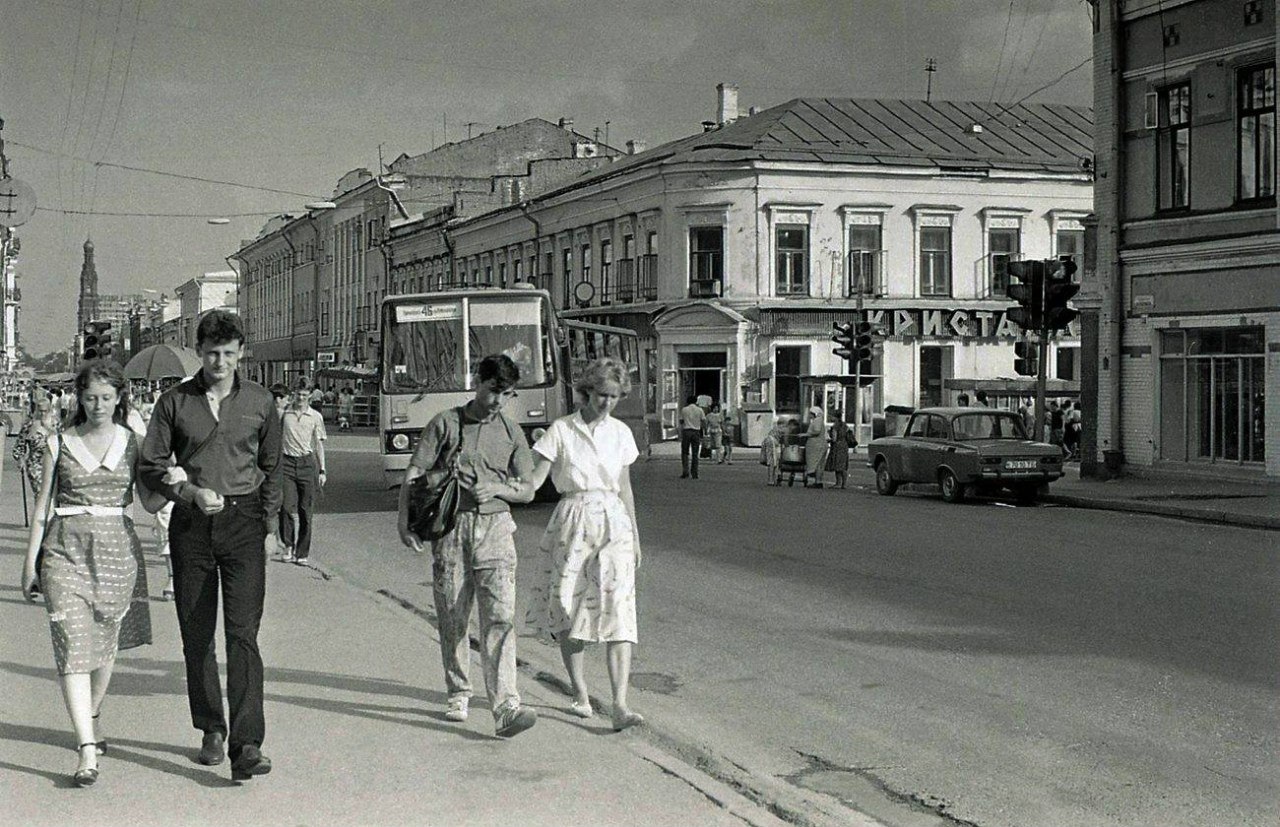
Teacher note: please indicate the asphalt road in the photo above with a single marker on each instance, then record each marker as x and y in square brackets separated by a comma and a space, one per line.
[1003, 666]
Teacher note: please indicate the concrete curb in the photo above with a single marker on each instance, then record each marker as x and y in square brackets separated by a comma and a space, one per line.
[1201, 515]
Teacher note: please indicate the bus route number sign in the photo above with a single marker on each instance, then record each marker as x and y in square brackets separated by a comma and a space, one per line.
[427, 312]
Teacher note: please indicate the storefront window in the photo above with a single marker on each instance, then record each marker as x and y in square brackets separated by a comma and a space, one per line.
[1212, 395]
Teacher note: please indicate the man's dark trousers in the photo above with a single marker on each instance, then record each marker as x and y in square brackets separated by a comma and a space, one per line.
[301, 480]
[690, 446]
[206, 549]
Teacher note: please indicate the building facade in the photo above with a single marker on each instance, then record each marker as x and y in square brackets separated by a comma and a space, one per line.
[211, 291]
[733, 252]
[313, 282]
[1188, 250]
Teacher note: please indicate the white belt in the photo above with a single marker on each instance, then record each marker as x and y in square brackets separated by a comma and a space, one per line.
[92, 510]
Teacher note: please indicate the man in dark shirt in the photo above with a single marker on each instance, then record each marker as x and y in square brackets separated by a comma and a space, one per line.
[224, 433]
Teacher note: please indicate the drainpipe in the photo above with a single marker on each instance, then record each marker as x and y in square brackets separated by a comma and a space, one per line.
[1114, 455]
[537, 236]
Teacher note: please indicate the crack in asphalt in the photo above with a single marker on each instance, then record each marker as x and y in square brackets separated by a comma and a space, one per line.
[919, 802]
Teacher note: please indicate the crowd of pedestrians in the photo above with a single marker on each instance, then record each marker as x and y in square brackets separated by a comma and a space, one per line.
[221, 455]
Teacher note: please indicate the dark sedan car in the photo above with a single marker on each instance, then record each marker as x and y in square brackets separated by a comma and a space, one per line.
[965, 451]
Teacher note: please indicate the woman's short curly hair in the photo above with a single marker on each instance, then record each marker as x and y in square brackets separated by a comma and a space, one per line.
[604, 371]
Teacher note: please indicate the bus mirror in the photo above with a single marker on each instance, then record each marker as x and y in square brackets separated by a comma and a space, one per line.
[562, 336]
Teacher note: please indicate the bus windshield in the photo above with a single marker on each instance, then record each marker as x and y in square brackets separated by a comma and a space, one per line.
[424, 350]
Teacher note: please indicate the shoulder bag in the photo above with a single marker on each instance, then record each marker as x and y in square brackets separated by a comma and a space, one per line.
[433, 502]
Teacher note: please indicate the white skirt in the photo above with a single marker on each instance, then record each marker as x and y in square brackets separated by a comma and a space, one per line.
[587, 588]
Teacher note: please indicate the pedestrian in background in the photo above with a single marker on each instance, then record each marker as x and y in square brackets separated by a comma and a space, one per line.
[280, 393]
[346, 408]
[771, 454]
[815, 446]
[693, 420]
[44, 419]
[91, 570]
[224, 433]
[591, 548]
[160, 525]
[302, 475]
[982, 400]
[1054, 422]
[730, 434]
[838, 460]
[715, 433]
[490, 455]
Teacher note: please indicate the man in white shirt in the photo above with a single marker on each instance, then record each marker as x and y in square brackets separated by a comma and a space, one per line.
[693, 420]
[302, 437]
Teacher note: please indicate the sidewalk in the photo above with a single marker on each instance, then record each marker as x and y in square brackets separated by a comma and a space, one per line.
[1200, 498]
[355, 729]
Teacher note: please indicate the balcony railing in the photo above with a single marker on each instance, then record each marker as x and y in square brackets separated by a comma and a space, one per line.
[633, 280]
[991, 275]
[866, 273]
[647, 278]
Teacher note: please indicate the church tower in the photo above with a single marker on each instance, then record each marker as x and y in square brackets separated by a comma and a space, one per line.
[88, 289]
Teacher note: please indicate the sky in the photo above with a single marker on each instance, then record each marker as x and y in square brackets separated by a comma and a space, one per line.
[287, 95]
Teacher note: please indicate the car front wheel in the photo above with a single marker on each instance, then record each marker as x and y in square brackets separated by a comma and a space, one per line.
[952, 490]
[885, 483]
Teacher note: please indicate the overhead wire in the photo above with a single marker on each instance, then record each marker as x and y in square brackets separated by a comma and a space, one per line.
[1044, 26]
[169, 174]
[160, 214]
[66, 120]
[115, 121]
[1011, 66]
[1004, 43]
[102, 107]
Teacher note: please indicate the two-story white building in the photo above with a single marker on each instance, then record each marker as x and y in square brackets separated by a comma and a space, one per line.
[732, 252]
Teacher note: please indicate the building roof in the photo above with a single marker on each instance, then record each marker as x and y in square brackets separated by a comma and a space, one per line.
[1031, 137]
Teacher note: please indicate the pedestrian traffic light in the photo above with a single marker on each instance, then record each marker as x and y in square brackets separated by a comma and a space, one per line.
[1025, 358]
[1026, 287]
[844, 338]
[97, 340]
[1058, 290]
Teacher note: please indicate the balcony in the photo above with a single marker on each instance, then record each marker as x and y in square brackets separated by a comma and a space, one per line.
[647, 278]
[991, 275]
[633, 280]
[866, 273]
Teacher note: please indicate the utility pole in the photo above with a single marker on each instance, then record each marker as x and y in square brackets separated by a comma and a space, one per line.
[930, 66]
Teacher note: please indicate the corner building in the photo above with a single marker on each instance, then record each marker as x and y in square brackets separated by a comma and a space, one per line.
[1188, 255]
[732, 252]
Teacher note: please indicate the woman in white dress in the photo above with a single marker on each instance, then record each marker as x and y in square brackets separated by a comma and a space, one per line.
[591, 546]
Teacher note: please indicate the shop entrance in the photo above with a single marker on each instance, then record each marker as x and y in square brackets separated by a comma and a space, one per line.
[936, 366]
[703, 374]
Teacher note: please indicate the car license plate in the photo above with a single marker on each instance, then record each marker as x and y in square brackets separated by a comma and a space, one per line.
[1020, 465]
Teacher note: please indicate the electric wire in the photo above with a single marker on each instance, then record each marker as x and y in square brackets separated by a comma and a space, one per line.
[160, 214]
[1044, 26]
[1018, 38]
[1008, 20]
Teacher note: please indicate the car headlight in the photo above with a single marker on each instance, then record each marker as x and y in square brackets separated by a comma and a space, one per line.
[400, 442]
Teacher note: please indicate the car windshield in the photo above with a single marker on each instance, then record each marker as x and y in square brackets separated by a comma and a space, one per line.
[423, 348]
[988, 425]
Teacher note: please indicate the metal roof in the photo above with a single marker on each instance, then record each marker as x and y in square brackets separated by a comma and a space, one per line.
[1045, 137]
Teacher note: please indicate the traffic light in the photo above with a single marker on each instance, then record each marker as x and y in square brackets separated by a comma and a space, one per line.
[1026, 287]
[1025, 358]
[97, 340]
[1058, 290]
[844, 338]
[863, 342]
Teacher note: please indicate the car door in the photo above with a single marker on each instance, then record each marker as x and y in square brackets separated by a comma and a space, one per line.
[933, 451]
[911, 445]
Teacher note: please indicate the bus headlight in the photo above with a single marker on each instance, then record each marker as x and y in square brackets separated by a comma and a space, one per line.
[537, 433]
[400, 442]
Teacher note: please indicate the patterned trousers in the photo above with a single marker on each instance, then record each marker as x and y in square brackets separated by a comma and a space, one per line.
[476, 564]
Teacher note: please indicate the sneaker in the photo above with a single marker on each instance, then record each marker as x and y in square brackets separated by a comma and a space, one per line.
[514, 720]
[287, 556]
[458, 708]
[302, 561]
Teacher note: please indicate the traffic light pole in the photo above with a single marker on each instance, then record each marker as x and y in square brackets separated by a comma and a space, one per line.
[857, 369]
[1042, 375]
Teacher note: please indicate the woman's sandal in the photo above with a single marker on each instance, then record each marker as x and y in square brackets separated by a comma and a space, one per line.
[626, 721]
[86, 777]
[581, 710]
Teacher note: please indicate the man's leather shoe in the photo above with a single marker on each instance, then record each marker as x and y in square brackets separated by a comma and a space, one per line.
[248, 763]
[211, 749]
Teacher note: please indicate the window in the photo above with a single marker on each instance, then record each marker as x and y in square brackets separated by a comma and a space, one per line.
[865, 260]
[606, 268]
[516, 275]
[1173, 147]
[1066, 363]
[1257, 133]
[790, 363]
[706, 261]
[1002, 248]
[1070, 245]
[586, 262]
[566, 261]
[791, 243]
[1213, 395]
[935, 261]
[502, 274]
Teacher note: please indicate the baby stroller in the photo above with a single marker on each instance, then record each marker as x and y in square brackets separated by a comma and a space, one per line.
[791, 460]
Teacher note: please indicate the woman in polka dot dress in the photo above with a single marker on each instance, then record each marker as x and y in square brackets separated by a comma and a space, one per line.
[91, 572]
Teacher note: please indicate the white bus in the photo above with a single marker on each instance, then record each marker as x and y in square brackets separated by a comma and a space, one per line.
[428, 362]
